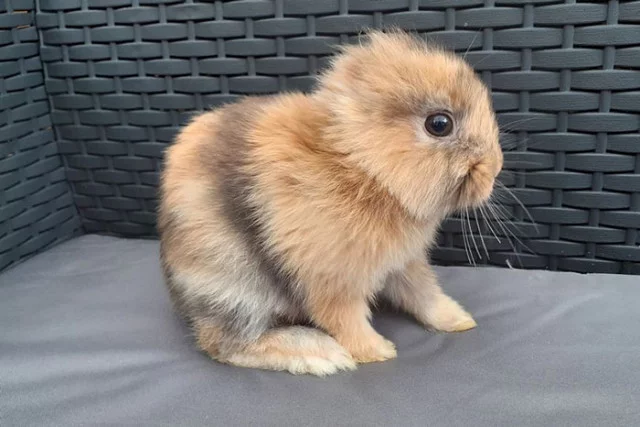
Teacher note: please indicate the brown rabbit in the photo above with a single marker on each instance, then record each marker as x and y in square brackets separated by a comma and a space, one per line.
[282, 218]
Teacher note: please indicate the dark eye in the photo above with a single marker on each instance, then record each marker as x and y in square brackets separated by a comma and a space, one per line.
[439, 124]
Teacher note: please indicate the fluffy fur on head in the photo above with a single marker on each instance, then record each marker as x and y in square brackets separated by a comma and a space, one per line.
[380, 94]
[281, 218]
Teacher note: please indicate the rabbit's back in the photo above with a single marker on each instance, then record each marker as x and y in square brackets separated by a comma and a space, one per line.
[211, 252]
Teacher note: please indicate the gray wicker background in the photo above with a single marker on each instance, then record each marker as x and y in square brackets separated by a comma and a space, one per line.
[123, 75]
[36, 206]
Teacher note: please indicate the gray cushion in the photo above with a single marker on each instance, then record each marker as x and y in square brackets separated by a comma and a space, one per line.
[87, 336]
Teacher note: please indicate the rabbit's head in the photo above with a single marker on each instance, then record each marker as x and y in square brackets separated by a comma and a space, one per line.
[417, 119]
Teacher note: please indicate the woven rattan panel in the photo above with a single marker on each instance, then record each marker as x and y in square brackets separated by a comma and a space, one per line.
[36, 206]
[123, 75]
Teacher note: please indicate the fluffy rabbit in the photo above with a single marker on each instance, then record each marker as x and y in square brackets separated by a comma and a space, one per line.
[283, 218]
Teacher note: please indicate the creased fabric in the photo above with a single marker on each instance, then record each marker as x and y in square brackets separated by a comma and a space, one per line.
[88, 336]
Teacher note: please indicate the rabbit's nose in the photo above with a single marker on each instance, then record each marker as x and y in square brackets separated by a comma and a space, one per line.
[497, 168]
[499, 164]
[496, 160]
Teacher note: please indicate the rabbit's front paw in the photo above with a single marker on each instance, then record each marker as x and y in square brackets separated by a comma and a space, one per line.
[371, 348]
[446, 315]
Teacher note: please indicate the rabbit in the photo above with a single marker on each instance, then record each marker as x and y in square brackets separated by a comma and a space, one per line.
[283, 218]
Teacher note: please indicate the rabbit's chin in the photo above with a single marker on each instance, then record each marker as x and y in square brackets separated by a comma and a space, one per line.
[462, 206]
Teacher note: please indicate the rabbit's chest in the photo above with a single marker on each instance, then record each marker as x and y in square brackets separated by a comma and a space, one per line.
[405, 248]
[377, 255]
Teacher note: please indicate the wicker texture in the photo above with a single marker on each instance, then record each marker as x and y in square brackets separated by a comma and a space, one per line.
[36, 206]
[124, 75]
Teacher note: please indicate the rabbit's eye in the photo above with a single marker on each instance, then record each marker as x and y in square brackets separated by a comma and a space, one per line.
[439, 124]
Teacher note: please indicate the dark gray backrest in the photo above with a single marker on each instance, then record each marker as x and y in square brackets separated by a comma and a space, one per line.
[123, 75]
[36, 206]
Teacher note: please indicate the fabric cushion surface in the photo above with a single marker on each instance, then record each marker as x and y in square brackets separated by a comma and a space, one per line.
[88, 336]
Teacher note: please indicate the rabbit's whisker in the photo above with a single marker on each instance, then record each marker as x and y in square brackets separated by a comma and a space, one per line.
[487, 221]
[524, 208]
[473, 239]
[516, 122]
[470, 44]
[505, 232]
[504, 221]
[475, 216]
[467, 250]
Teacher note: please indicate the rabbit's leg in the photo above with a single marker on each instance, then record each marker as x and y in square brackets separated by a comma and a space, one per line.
[347, 319]
[416, 291]
[240, 318]
[297, 349]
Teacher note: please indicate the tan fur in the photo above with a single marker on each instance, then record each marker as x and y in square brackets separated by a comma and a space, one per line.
[295, 349]
[348, 190]
[416, 290]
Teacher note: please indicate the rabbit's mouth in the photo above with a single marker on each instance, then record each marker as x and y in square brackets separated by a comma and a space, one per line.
[477, 186]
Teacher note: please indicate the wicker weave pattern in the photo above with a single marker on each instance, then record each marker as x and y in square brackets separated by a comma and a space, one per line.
[36, 206]
[123, 75]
